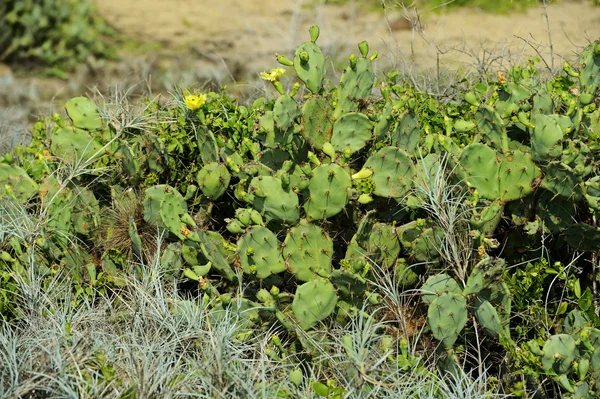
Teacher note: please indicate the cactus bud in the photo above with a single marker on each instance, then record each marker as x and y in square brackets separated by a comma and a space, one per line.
[374, 56]
[364, 199]
[463, 126]
[362, 174]
[569, 70]
[314, 33]
[586, 98]
[279, 87]
[304, 57]
[190, 274]
[329, 150]
[364, 48]
[235, 227]
[295, 89]
[471, 98]
[296, 377]
[283, 60]
[352, 61]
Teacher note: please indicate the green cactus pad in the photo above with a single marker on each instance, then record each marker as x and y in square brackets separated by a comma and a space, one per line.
[213, 247]
[349, 284]
[73, 144]
[546, 137]
[407, 133]
[356, 84]
[285, 112]
[351, 130]
[311, 71]
[490, 123]
[14, 181]
[85, 212]
[447, 316]
[307, 251]
[478, 166]
[84, 114]
[165, 207]
[274, 201]
[213, 179]
[437, 285]
[393, 172]
[488, 318]
[328, 191]
[559, 353]
[517, 175]
[313, 302]
[317, 124]
[260, 253]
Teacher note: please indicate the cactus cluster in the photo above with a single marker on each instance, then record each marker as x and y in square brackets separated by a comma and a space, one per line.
[302, 201]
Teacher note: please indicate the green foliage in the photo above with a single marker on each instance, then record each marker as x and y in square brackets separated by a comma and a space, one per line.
[328, 210]
[61, 33]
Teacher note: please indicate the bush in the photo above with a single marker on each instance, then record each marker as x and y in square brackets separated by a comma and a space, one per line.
[58, 33]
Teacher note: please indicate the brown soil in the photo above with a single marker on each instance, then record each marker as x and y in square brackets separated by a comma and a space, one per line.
[245, 33]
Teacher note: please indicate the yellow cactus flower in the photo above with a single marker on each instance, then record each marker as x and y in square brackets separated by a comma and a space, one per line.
[194, 102]
[273, 75]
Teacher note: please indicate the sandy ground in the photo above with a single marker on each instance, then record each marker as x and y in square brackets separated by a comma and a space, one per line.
[246, 33]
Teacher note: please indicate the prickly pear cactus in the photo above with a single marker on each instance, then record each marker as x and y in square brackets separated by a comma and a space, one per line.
[307, 251]
[309, 63]
[393, 172]
[351, 131]
[313, 302]
[260, 252]
[328, 191]
[447, 316]
[213, 179]
[273, 200]
[15, 182]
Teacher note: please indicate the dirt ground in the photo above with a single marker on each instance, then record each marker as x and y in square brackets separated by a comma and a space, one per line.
[244, 34]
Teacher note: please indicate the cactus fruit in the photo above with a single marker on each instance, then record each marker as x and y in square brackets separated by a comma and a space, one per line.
[260, 253]
[351, 130]
[84, 114]
[313, 302]
[273, 200]
[328, 191]
[393, 172]
[307, 251]
[447, 316]
[213, 179]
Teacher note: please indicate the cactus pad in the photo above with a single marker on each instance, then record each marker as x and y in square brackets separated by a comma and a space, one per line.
[260, 253]
[313, 302]
[328, 191]
[393, 172]
[307, 251]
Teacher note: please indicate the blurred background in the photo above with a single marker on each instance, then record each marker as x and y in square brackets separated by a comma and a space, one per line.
[51, 50]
